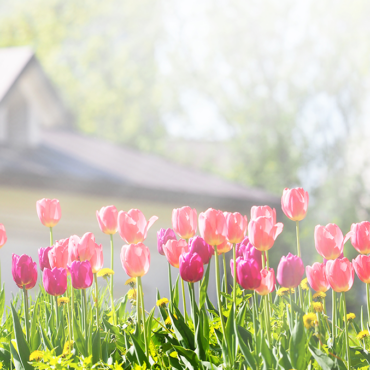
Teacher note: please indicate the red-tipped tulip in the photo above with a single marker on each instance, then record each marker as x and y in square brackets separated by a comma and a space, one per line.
[290, 271]
[294, 203]
[236, 226]
[163, 235]
[24, 271]
[191, 267]
[3, 237]
[265, 211]
[212, 226]
[55, 281]
[340, 274]
[107, 219]
[248, 274]
[135, 259]
[58, 255]
[81, 274]
[97, 259]
[267, 282]
[263, 232]
[49, 211]
[44, 258]
[173, 249]
[360, 237]
[199, 246]
[316, 277]
[133, 227]
[184, 221]
[329, 241]
[361, 265]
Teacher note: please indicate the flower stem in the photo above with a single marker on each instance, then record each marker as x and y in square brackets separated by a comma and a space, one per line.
[234, 290]
[97, 308]
[84, 305]
[254, 305]
[141, 297]
[346, 330]
[267, 318]
[299, 255]
[170, 281]
[183, 298]
[291, 311]
[72, 308]
[69, 328]
[111, 261]
[334, 315]
[26, 319]
[368, 302]
[219, 291]
[56, 311]
[114, 310]
[225, 272]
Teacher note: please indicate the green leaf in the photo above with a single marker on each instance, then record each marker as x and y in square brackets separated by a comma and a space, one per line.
[16, 359]
[181, 329]
[2, 303]
[46, 339]
[96, 346]
[204, 287]
[149, 324]
[324, 361]
[35, 335]
[200, 350]
[230, 334]
[267, 356]
[78, 337]
[140, 355]
[175, 293]
[243, 338]
[189, 357]
[298, 345]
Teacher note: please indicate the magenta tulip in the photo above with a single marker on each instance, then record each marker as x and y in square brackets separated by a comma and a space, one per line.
[24, 271]
[81, 274]
[55, 281]
[340, 274]
[198, 245]
[360, 237]
[290, 271]
[44, 258]
[49, 211]
[294, 203]
[162, 236]
[265, 211]
[107, 219]
[184, 221]
[248, 274]
[3, 237]
[361, 264]
[135, 259]
[191, 267]
[316, 277]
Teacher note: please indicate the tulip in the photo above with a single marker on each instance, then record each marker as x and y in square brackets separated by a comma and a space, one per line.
[240, 247]
[199, 246]
[135, 259]
[252, 253]
[329, 241]
[263, 232]
[294, 203]
[133, 227]
[340, 274]
[212, 226]
[360, 237]
[81, 274]
[263, 211]
[55, 281]
[184, 221]
[3, 237]
[58, 255]
[191, 267]
[73, 249]
[224, 247]
[267, 282]
[162, 236]
[44, 258]
[361, 264]
[107, 219]
[97, 260]
[316, 277]
[290, 271]
[236, 226]
[324, 260]
[86, 247]
[248, 274]
[173, 249]
[49, 211]
[24, 271]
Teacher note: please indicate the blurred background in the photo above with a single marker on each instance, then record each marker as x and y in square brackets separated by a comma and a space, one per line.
[156, 104]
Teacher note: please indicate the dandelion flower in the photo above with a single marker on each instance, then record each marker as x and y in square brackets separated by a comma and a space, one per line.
[350, 316]
[105, 272]
[62, 301]
[362, 334]
[162, 302]
[319, 295]
[304, 284]
[132, 294]
[309, 320]
[284, 291]
[131, 282]
[36, 355]
[318, 306]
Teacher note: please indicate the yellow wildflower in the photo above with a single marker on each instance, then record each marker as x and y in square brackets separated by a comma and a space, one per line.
[131, 282]
[362, 334]
[350, 316]
[319, 295]
[132, 294]
[173, 354]
[309, 320]
[162, 302]
[62, 301]
[67, 347]
[105, 272]
[168, 321]
[304, 284]
[284, 291]
[318, 306]
[36, 355]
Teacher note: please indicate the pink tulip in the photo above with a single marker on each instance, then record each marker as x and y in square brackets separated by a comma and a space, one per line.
[73, 249]
[267, 282]
[191, 267]
[316, 277]
[212, 227]
[97, 259]
[361, 265]
[81, 274]
[294, 203]
[58, 255]
[290, 271]
[250, 252]
[173, 249]
[236, 226]
[24, 271]
[340, 274]
[360, 237]
[224, 247]
[86, 247]
[162, 236]
[263, 232]
[329, 241]
[49, 211]
[44, 258]
[248, 274]
[199, 246]
[107, 219]
[3, 237]
[324, 260]
[265, 211]
[135, 259]
[133, 227]
[55, 281]
[184, 221]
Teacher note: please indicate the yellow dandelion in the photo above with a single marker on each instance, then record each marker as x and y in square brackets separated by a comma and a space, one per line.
[132, 294]
[62, 301]
[67, 347]
[362, 334]
[350, 316]
[284, 291]
[304, 284]
[105, 272]
[36, 355]
[318, 306]
[309, 320]
[168, 321]
[173, 354]
[131, 282]
[162, 302]
[319, 295]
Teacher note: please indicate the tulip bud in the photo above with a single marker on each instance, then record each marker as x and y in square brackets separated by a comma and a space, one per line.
[191, 267]
[162, 236]
[360, 237]
[135, 259]
[107, 219]
[97, 259]
[44, 258]
[248, 274]
[173, 249]
[184, 222]
[290, 271]
[3, 237]
[49, 211]
[55, 281]
[236, 226]
[294, 203]
[340, 274]
[361, 265]
[199, 246]
[265, 211]
[24, 271]
[267, 282]
[81, 274]
[316, 277]
[58, 255]
[212, 227]
[263, 233]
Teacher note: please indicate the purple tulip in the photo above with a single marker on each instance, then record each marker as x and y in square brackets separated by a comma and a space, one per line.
[191, 267]
[199, 246]
[44, 258]
[163, 235]
[290, 271]
[55, 281]
[24, 271]
[248, 273]
[81, 274]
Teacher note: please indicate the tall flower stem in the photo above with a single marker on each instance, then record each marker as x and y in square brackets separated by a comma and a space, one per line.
[51, 237]
[26, 317]
[69, 328]
[291, 311]
[234, 288]
[266, 302]
[334, 315]
[299, 255]
[368, 302]
[141, 297]
[111, 261]
[346, 330]
[183, 298]
[72, 307]
[56, 311]
[97, 308]
[225, 272]
[219, 291]
[170, 281]
[84, 308]
[254, 305]
[113, 308]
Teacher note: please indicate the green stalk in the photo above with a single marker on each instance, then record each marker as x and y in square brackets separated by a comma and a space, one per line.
[193, 303]
[69, 327]
[346, 330]
[51, 237]
[26, 318]
[97, 308]
[254, 305]
[219, 292]
[84, 308]
[111, 261]
[56, 311]
[183, 298]
[334, 315]
[267, 319]
[368, 302]
[170, 281]
[143, 315]
[234, 290]
[72, 308]
[291, 311]
[225, 272]
[114, 310]
[299, 255]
